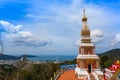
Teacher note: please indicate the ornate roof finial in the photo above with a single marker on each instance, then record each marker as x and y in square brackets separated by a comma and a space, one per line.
[84, 12]
[84, 19]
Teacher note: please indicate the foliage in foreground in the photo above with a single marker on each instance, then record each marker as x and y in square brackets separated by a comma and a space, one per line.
[35, 72]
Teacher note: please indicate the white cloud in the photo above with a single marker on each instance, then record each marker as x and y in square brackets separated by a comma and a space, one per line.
[10, 28]
[78, 42]
[69, 16]
[26, 38]
[63, 21]
[116, 40]
[21, 38]
[66, 20]
[97, 36]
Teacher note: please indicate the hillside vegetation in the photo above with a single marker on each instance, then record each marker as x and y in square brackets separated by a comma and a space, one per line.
[109, 57]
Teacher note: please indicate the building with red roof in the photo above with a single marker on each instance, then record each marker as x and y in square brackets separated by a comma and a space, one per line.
[113, 72]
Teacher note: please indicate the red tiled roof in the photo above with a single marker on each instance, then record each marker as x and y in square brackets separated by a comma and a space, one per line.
[69, 75]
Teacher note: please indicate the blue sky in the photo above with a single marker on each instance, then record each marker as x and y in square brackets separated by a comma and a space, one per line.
[46, 27]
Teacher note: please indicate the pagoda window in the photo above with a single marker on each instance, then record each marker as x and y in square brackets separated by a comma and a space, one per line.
[87, 52]
[83, 50]
[93, 50]
[90, 51]
[79, 51]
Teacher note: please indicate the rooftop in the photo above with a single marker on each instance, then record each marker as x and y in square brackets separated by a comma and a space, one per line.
[68, 75]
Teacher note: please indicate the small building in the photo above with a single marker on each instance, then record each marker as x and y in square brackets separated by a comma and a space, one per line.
[113, 72]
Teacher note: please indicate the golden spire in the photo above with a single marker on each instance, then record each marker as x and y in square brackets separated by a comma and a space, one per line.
[84, 19]
[85, 31]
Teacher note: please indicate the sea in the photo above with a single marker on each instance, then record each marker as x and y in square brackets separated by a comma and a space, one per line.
[53, 58]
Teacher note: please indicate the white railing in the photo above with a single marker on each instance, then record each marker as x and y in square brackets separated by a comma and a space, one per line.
[95, 76]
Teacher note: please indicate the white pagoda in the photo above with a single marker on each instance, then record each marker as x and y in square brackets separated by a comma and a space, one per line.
[88, 67]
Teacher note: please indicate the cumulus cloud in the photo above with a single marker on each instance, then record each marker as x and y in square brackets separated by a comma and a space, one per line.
[97, 36]
[116, 40]
[68, 18]
[10, 28]
[19, 37]
[64, 19]
[26, 38]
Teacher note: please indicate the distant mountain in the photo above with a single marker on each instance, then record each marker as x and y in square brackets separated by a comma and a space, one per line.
[28, 56]
[114, 54]
[8, 57]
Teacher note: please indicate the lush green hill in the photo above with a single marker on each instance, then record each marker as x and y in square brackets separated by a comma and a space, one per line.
[107, 58]
[114, 53]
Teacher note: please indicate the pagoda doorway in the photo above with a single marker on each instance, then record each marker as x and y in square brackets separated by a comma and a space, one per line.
[89, 68]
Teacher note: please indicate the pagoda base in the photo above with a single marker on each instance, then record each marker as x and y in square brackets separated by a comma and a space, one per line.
[84, 75]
